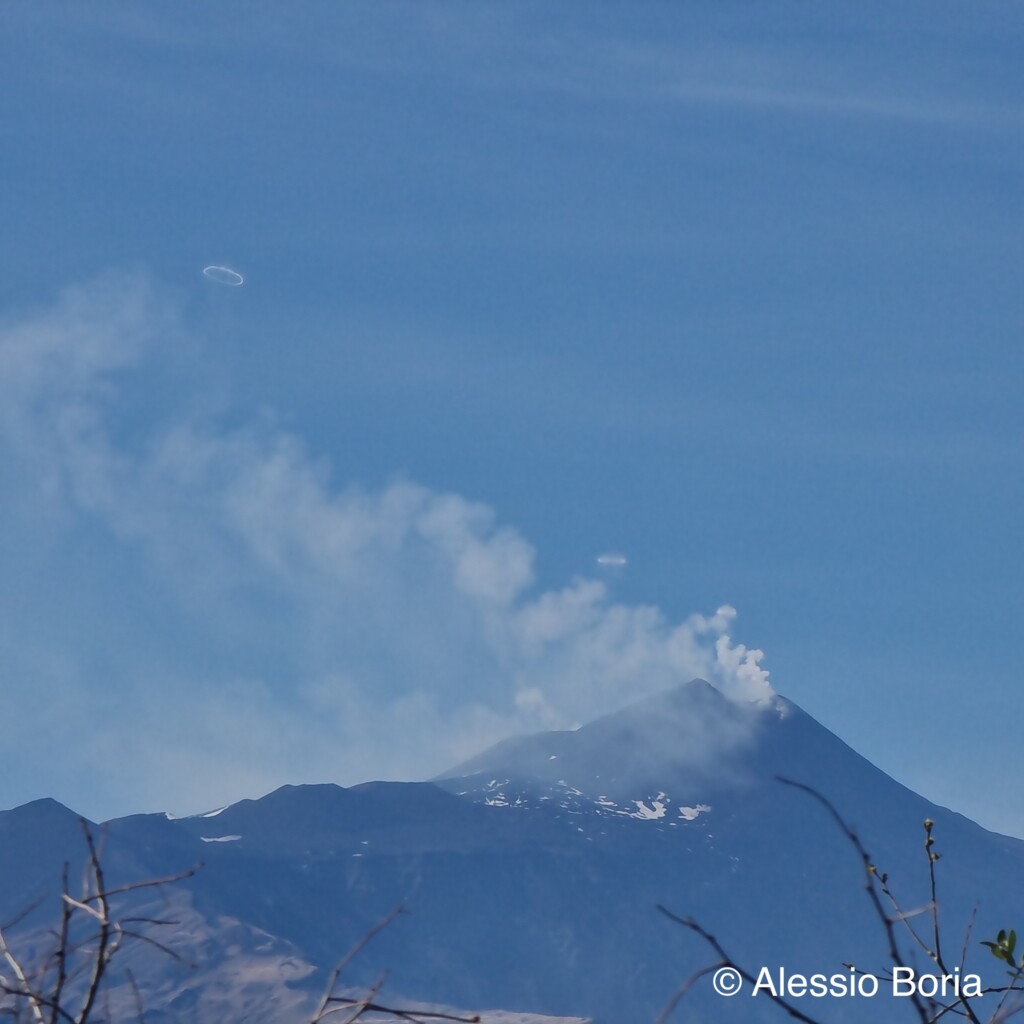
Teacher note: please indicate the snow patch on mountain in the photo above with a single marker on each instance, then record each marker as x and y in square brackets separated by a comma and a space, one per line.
[190, 817]
[563, 799]
[692, 813]
[652, 813]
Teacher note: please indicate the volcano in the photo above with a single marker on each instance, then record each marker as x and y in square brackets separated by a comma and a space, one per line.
[530, 875]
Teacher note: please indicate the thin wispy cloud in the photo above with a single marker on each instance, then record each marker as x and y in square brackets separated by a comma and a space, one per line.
[238, 615]
[507, 51]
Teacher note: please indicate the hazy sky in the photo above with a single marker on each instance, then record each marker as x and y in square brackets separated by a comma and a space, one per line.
[732, 290]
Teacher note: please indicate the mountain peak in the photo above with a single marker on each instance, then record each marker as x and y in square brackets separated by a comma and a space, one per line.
[45, 810]
[692, 698]
[673, 749]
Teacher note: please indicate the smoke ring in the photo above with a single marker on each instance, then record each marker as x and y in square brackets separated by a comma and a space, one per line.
[224, 275]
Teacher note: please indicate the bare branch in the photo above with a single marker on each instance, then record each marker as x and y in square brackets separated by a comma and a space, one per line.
[149, 883]
[139, 1015]
[348, 958]
[933, 857]
[77, 955]
[871, 878]
[999, 1015]
[967, 937]
[172, 953]
[685, 987]
[331, 1003]
[728, 961]
[361, 1007]
[61, 954]
[22, 914]
[101, 959]
[24, 987]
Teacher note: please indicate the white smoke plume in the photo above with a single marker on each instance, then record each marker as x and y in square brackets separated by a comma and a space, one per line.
[231, 616]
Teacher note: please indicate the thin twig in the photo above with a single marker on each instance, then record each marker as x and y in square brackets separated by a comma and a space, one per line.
[363, 1004]
[350, 955]
[101, 959]
[149, 883]
[22, 914]
[1012, 987]
[871, 878]
[19, 974]
[685, 987]
[174, 954]
[61, 955]
[967, 937]
[330, 1003]
[933, 857]
[139, 1015]
[728, 961]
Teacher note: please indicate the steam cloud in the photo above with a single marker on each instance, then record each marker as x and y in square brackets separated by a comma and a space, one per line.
[231, 617]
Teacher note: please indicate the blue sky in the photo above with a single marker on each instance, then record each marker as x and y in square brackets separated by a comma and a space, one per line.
[732, 289]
